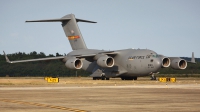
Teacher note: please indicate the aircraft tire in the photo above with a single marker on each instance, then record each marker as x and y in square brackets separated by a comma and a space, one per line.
[134, 78]
[102, 78]
[129, 78]
[107, 78]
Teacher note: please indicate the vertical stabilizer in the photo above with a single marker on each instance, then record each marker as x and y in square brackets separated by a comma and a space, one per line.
[73, 33]
[71, 29]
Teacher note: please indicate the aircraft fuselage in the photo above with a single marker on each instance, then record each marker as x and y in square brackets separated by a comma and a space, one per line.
[128, 62]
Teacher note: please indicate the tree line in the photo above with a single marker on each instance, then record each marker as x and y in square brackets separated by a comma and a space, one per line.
[52, 68]
[56, 68]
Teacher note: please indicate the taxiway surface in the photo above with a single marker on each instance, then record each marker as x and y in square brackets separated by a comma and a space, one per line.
[94, 98]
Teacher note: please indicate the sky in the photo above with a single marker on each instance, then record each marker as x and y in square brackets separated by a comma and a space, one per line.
[168, 27]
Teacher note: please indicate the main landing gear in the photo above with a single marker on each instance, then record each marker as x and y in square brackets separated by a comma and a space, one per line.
[123, 78]
[101, 78]
[129, 78]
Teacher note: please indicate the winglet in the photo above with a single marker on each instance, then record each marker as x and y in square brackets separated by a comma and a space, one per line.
[7, 60]
[192, 59]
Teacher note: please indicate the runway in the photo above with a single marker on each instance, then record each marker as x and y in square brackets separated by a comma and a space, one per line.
[95, 98]
[174, 86]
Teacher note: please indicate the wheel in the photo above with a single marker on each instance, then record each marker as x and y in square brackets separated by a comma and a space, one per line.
[102, 78]
[134, 78]
[94, 78]
[130, 78]
[107, 78]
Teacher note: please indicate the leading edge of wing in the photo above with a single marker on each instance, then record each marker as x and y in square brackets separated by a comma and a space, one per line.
[94, 54]
[60, 57]
[29, 60]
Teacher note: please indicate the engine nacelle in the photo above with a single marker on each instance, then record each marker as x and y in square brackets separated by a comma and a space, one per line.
[105, 61]
[74, 63]
[178, 64]
[165, 62]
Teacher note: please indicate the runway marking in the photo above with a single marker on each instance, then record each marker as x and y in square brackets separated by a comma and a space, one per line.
[42, 105]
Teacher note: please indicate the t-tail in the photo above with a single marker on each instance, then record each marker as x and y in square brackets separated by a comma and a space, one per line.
[71, 29]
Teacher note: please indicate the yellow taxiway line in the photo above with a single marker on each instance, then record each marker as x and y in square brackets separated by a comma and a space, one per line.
[42, 105]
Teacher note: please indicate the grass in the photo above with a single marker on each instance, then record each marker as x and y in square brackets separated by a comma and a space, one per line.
[87, 81]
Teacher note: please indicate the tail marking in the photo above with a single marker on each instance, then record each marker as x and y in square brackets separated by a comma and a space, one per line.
[73, 37]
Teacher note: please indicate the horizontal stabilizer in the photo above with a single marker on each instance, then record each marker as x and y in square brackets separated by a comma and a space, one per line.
[60, 20]
[81, 20]
[50, 20]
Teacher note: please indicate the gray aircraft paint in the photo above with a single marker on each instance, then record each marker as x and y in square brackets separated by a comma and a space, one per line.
[127, 62]
[136, 66]
[72, 31]
[123, 65]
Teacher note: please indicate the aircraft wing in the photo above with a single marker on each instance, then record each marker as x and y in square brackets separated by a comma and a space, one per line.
[192, 58]
[83, 55]
[39, 59]
[110, 53]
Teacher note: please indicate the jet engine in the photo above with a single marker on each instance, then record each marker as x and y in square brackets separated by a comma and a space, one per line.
[74, 63]
[105, 61]
[178, 64]
[165, 62]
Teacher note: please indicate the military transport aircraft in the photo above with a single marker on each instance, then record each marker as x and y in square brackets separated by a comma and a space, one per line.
[128, 64]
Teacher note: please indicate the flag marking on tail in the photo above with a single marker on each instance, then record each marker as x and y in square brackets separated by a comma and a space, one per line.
[73, 37]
